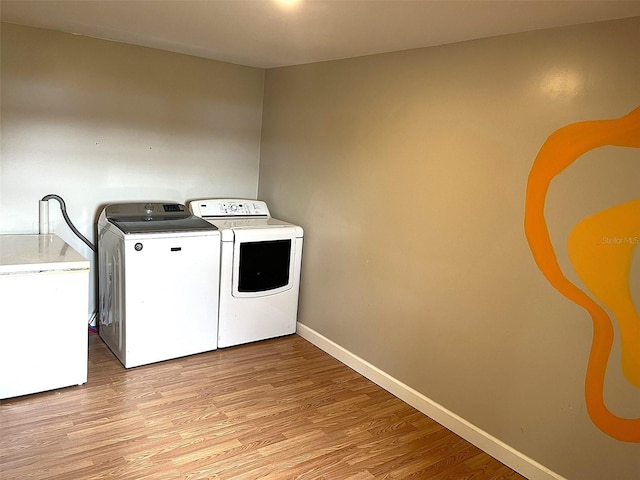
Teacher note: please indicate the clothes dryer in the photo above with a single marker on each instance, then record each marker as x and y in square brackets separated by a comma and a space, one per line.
[261, 259]
[158, 265]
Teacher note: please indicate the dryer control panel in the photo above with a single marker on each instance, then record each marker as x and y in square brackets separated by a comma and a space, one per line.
[224, 207]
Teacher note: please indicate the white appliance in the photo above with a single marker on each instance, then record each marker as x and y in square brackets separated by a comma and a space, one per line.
[157, 266]
[44, 301]
[260, 267]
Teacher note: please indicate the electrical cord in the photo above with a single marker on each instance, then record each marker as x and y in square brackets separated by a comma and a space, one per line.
[63, 207]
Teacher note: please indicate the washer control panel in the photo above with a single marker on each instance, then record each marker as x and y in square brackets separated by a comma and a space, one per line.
[146, 209]
[229, 208]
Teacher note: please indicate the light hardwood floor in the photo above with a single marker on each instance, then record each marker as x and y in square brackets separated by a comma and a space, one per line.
[278, 409]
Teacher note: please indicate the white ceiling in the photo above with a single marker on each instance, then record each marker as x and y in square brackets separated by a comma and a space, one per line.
[264, 33]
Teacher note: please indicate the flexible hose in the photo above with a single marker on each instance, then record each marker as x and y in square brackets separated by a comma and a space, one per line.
[63, 207]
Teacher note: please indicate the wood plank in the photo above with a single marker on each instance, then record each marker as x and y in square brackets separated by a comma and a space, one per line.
[277, 409]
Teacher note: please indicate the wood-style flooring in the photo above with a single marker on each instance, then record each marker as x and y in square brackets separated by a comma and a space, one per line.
[277, 409]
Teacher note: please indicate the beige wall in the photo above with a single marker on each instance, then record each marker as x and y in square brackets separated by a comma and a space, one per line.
[99, 122]
[408, 171]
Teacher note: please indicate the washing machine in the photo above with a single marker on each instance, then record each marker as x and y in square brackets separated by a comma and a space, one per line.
[260, 265]
[157, 267]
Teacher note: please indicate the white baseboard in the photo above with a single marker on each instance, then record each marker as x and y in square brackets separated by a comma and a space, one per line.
[499, 450]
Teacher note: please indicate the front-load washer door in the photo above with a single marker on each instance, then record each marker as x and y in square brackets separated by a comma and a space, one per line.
[263, 261]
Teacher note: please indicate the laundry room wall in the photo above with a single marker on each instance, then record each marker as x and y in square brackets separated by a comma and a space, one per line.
[98, 122]
[409, 173]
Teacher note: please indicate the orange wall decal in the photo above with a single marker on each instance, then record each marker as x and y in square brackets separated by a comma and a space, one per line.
[601, 249]
[604, 272]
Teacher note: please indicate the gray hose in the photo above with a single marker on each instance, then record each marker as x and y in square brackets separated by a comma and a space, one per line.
[63, 207]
